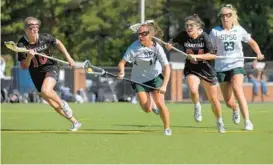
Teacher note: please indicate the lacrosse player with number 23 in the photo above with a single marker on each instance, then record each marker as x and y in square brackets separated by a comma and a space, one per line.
[227, 41]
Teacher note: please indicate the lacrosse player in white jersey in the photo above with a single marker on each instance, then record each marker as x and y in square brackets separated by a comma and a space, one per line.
[149, 59]
[227, 40]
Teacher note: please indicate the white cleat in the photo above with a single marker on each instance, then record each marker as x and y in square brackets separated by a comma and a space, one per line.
[75, 126]
[198, 113]
[236, 117]
[248, 126]
[221, 128]
[168, 132]
[67, 110]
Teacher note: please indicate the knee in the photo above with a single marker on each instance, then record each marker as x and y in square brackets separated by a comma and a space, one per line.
[194, 92]
[214, 100]
[146, 108]
[45, 92]
[230, 103]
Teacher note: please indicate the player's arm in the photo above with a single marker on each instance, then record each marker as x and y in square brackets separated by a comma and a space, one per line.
[127, 57]
[246, 37]
[64, 51]
[166, 69]
[121, 67]
[166, 74]
[208, 48]
[207, 56]
[26, 62]
[24, 58]
[255, 47]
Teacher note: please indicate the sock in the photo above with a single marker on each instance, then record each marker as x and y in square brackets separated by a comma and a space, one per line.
[247, 121]
[197, 105]
[219, 120]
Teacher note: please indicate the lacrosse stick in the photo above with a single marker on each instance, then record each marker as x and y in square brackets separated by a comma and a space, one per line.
[94, 70]
[12, 46]
[135, 28]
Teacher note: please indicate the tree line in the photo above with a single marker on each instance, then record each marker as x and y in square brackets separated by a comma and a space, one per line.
[97, 30]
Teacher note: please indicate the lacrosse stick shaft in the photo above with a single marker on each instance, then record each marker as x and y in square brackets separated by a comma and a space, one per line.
[126, 79]
[227, 57]
[52, 58]
[174, 48]
[218, 57]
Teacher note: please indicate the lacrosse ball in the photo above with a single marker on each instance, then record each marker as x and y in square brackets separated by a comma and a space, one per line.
[89, 70]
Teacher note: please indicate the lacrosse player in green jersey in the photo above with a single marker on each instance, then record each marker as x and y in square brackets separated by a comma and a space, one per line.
[227, 41]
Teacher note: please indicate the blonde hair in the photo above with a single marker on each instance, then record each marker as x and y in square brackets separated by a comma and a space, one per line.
[26, 24]
[154, 29]
[235, 17]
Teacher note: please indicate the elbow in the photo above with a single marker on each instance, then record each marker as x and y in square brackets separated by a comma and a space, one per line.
[167, 68]
[122, 63]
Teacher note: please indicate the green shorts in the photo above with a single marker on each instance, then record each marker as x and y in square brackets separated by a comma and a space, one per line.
[227, 75]
[156, 83]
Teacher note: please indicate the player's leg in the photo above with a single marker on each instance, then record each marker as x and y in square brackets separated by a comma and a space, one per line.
[211, 92]
[227, 92]
[48, 93]
[238, 88]
[154, 107]
[144, 101]
[193, 84]
[164, 112]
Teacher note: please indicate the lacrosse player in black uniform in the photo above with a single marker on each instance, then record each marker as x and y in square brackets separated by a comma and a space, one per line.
[198, 67]
[43, 71]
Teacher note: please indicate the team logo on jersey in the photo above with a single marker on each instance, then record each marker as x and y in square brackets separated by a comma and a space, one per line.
[193, 45]
[40, 48]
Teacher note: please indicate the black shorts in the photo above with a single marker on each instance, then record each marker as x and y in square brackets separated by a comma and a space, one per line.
[206, 74]
[38, 77]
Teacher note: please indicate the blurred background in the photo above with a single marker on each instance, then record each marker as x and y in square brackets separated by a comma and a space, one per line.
[97, 30]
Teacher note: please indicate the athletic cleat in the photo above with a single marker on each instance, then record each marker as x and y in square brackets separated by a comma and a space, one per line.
[248, 126]
[168, 132]
[221, 128]
[236, 117]
[198, 113]
[75, 126]
[156, 111]
[67, 110]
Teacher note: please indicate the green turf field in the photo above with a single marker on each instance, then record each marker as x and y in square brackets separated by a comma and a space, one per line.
[122, 133]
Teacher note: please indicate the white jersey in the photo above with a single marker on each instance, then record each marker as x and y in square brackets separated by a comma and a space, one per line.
[147, 62]
[229, 43]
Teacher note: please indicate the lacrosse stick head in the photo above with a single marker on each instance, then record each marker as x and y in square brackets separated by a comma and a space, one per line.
[91, 69]
[136, 26]
[12, 46]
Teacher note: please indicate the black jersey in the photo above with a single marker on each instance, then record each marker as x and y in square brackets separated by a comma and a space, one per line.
[43, 45]
[200, 45]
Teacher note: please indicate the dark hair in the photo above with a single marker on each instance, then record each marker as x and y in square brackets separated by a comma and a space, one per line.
[196, 19]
